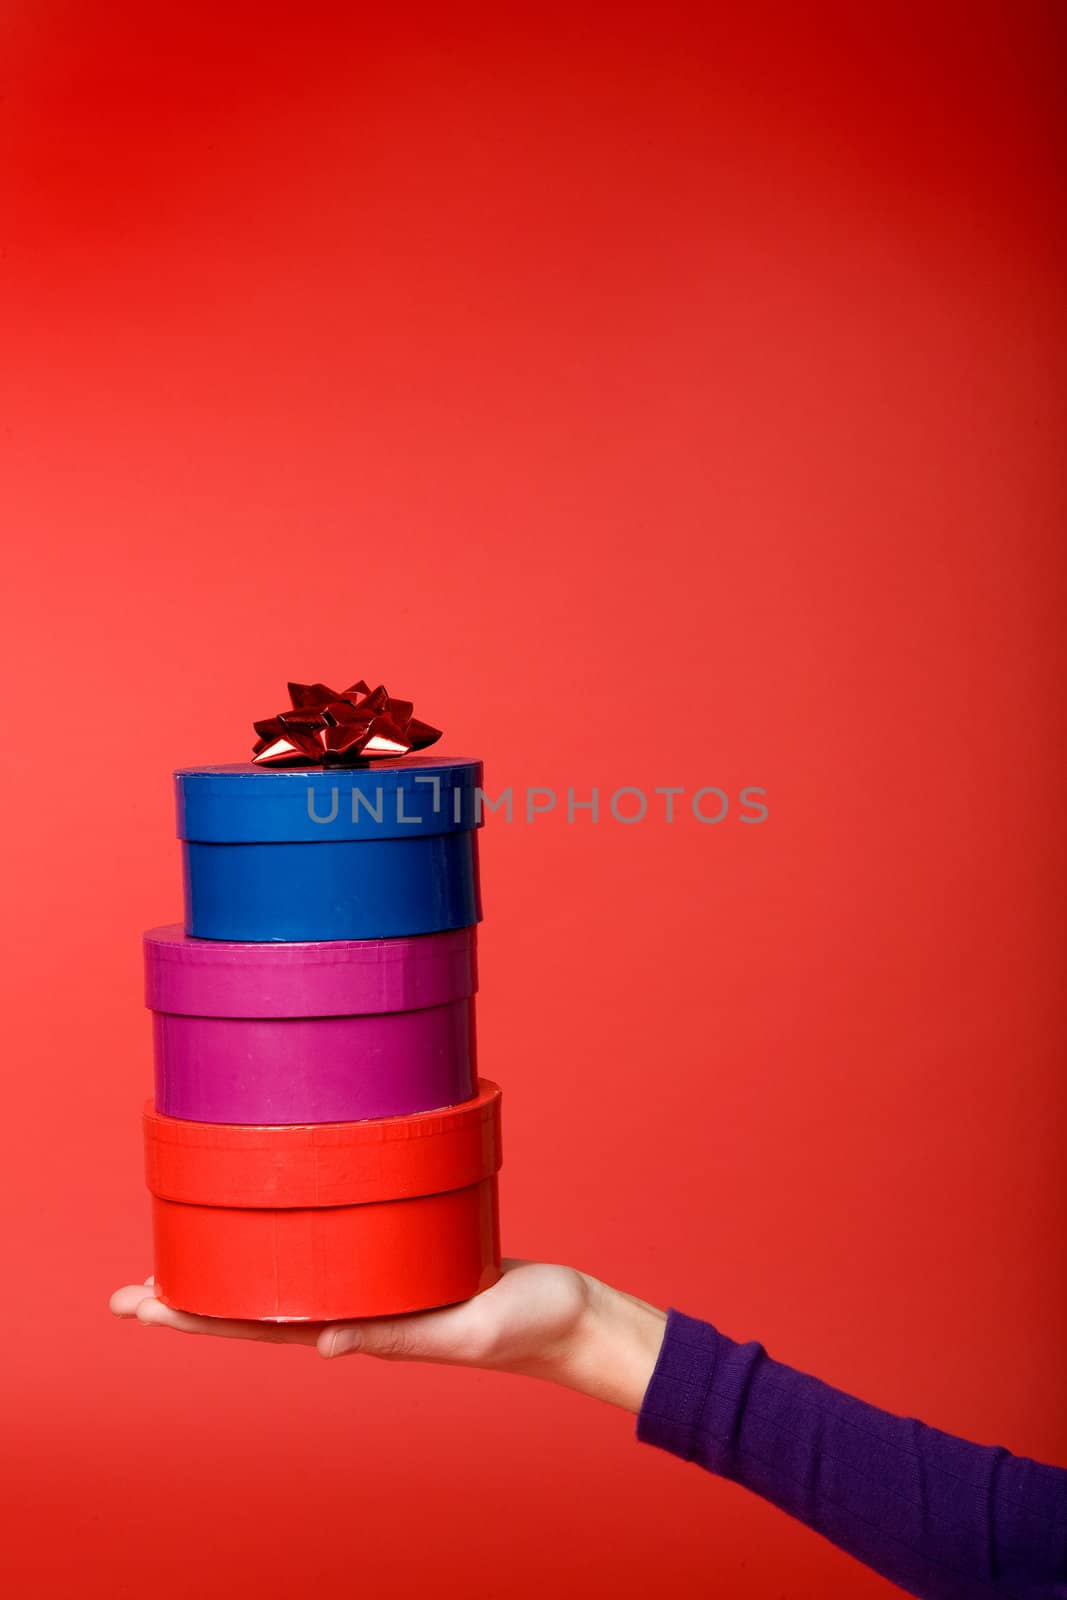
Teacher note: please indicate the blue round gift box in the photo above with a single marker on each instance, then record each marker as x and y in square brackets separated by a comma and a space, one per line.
[288, 854]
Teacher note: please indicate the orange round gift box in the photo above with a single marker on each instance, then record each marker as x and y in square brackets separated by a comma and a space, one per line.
[335, 1220]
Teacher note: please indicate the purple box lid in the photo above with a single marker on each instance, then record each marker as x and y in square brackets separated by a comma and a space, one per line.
[345, 977]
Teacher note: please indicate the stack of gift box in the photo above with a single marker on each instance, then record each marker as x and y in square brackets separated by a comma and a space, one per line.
[320, 1145]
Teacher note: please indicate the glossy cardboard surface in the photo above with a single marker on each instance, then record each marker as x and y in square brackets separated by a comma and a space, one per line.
[332, 1164]
[328, 1262]
[243, 803]
[369, 889]
[314, 1069]
[222, 978]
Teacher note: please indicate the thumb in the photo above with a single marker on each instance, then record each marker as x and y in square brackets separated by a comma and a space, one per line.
[391, 1338]
[450, 1334]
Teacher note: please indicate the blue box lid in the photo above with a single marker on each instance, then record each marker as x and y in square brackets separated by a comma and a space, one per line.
[246, 804]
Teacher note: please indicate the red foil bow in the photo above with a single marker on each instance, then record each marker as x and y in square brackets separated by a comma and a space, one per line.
[331, 729]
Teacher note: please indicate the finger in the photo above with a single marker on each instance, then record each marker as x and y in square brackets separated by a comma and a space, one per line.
[154, 1314]
[150, 1283]
[124, 1301]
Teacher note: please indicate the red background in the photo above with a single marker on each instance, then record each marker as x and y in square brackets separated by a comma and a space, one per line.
[657, 395]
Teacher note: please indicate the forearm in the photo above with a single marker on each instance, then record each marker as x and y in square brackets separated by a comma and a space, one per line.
[943, 1519]
[940, 1517]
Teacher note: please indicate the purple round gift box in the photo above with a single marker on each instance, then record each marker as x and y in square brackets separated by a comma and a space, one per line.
[334, 1031]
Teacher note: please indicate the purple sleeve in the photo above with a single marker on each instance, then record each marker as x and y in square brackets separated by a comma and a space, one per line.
[943, 1519]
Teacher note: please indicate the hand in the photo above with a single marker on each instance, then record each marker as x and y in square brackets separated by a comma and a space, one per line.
[543, 1321]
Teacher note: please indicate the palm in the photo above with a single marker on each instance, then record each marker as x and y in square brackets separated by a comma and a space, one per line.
[515, 1325]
